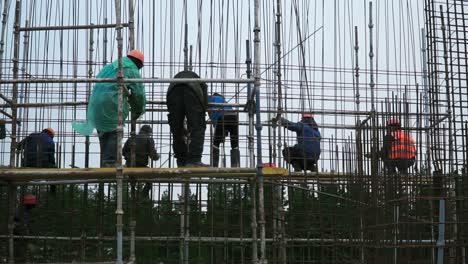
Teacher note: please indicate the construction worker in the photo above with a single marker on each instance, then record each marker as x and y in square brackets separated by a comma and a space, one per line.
[39, 149]
[305, 154]
[22, 221]
[187, 102]
[144, 148]
[104, 101]
[224, 123]
[398, 150]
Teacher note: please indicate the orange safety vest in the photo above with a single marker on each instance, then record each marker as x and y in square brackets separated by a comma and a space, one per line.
[403, 146]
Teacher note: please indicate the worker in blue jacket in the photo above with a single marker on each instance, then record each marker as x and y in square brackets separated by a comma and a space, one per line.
[224, 122]
[305, 154]
[39, 149]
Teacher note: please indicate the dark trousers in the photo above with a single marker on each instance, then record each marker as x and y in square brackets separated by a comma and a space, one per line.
[295, 156]
[391, 165]
[183, 103]
[227, 125]
[108, 143]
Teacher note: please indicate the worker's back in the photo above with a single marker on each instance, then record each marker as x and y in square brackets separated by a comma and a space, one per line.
[39, 151]
[144, 149]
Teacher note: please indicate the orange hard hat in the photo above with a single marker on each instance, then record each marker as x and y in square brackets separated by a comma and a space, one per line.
[50, 130]
[29, 199]
[137, 55]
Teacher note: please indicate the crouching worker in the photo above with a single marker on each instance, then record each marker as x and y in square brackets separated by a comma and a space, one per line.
[24, 250]
[144, 149]
[305, 154]
[39, 151]
[399, 148]
[224, 123]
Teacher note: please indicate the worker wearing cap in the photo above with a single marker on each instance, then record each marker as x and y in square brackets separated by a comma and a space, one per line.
[399, 150]
[305, 154]
[225, 123]
[39, 149]
[22, 221]
[187, 102]
[103, 105]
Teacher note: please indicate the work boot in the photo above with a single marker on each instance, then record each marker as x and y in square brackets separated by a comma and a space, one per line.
[215, 151]
[235, 158]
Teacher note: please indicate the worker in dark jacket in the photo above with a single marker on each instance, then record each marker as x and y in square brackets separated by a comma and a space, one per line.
[305, 154]
[144, 148]
[225, 123]
[22, 227]
[104, 101]
[187, 101]
[399, 149]
[39, 149]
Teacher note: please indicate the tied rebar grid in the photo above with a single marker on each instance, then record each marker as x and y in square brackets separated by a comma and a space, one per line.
[351, 210]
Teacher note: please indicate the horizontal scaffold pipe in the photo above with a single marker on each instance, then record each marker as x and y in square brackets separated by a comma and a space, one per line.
[21, 175]
[82, 103]
[286, 178]
[142, 80]
[49, 28]
[158, 180]
[359, 242]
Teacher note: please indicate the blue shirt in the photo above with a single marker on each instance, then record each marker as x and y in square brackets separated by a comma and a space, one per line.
[216, 112]
[308, 135]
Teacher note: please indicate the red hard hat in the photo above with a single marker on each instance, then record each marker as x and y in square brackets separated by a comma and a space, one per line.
[393, 122]
[137, 55]
[50, 130]
[29, 199]
[307, 115]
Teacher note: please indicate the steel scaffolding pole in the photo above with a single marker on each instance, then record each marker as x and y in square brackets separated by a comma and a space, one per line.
[258, 128]
[119, 169]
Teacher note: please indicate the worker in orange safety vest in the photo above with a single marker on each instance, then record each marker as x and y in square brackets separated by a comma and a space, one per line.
[399, 148]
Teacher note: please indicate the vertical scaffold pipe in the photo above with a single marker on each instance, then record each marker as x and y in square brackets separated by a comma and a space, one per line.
[119, 170]
[279, 188]
[14, 108]
[14, 113]
[356, 69]
[6, 8]
[11, 224]
[258, 127]
[253, 196]
[131, 40]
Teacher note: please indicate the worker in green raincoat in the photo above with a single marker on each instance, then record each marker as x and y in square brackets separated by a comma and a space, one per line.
[103, 105]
